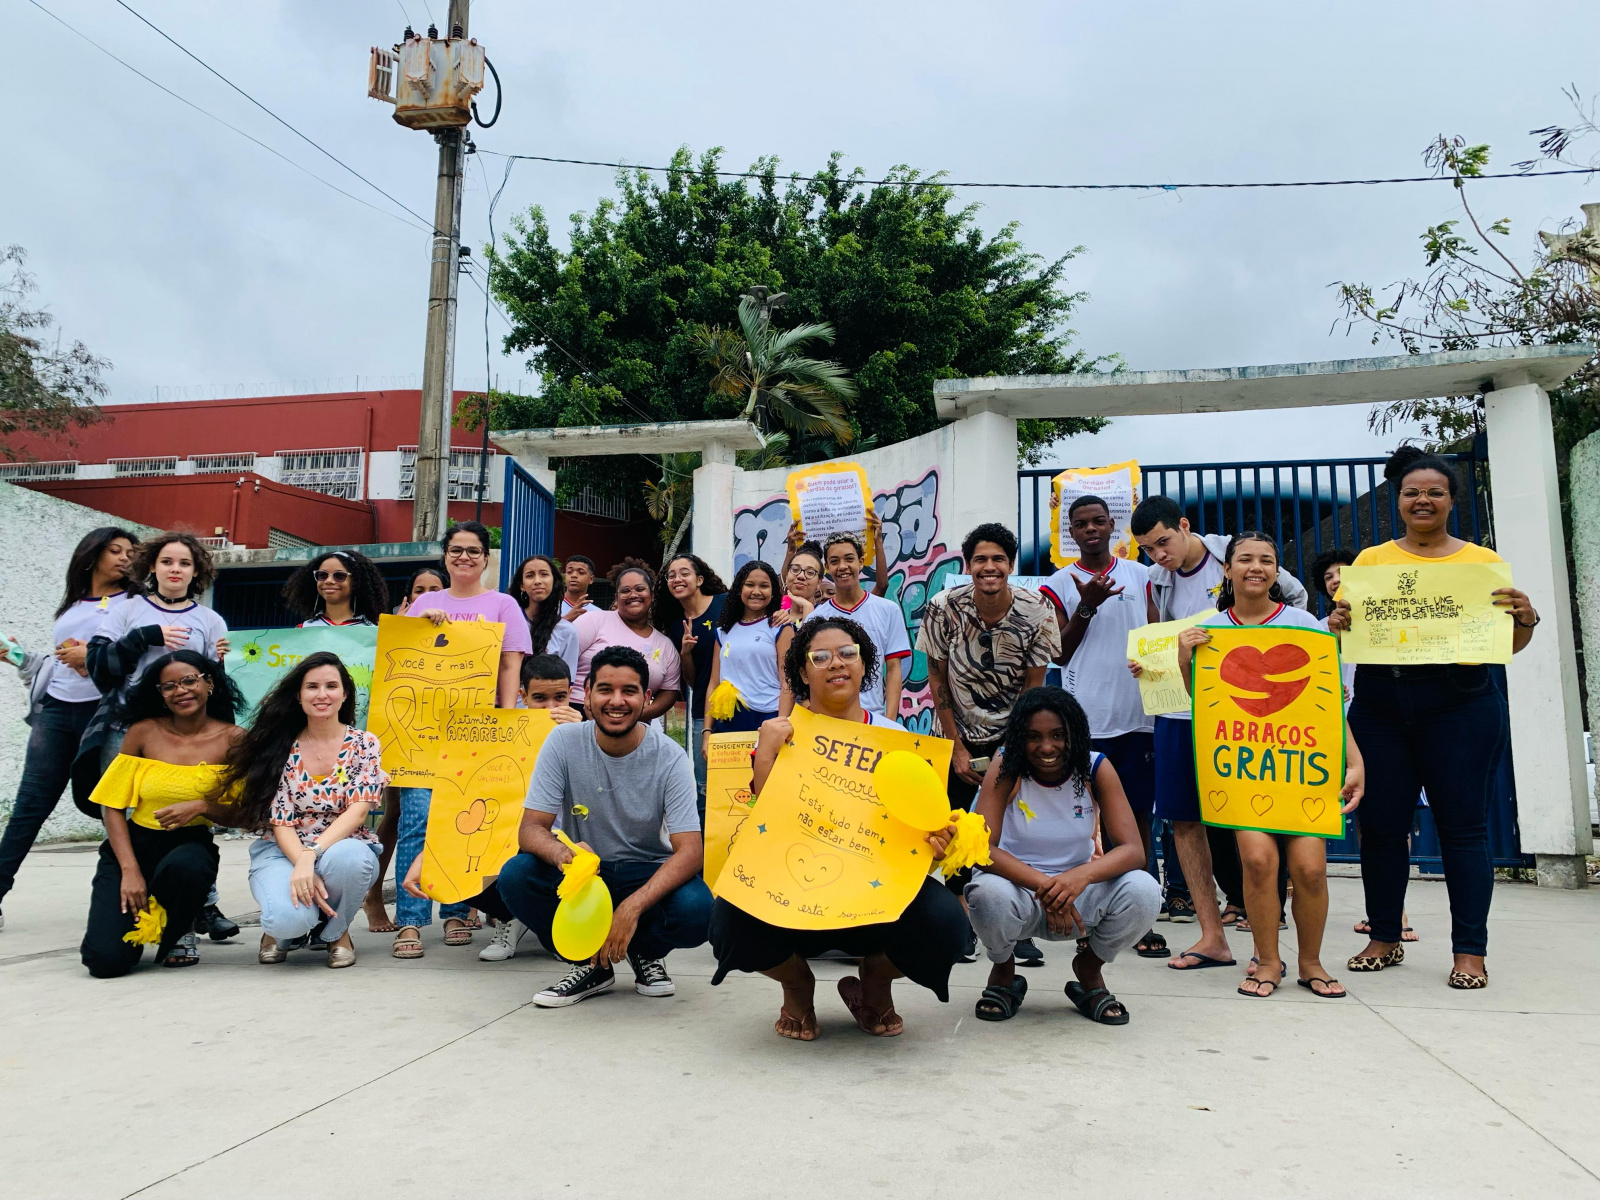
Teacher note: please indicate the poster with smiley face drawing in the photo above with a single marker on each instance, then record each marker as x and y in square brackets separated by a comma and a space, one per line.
[1269, 730]
[819, 850]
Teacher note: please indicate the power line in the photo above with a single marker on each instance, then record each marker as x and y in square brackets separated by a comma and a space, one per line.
[1059, 187]
[205, 113]
[332, 157]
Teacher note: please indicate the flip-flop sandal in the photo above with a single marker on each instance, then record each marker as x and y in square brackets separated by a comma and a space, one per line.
[1258, 994]
[408, 947]
[1231, 916]
[1094, 1003]
[795, 1028]
[1407, 929]
[1152, 945]
[1201, 961]
[1364, 926]
[1310, 986]
[867, 1018]
[184, 952]
[1000, 1001]
[460, 935]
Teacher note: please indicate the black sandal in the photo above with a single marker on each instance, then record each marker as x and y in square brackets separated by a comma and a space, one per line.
[1152, 945]
[1095, 1003]
[1000, 1002]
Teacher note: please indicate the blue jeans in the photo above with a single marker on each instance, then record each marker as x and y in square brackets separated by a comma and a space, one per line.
[697, 726]
[408, 910]
[1446, 729]
[46, 768]
[346, 868]
[679, 920]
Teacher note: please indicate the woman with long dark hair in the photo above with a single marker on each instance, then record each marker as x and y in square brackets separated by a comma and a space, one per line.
[156, 799]
[628, 623]
[306, 778]
[745, 666]
[687, 609]
[1442, 728]
[533, 587]
[61, 696]
[341, 588]
[423, 580]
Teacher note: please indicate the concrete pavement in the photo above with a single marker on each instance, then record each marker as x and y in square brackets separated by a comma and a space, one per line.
[438, 1079]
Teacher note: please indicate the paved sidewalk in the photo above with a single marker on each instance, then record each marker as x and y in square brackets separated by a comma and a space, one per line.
[437, 1079]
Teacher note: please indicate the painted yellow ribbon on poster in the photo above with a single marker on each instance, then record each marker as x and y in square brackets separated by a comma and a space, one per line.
[479, 771]
[1269, 730]
[422, 673]
[1426, 613]
[818, 850]
[829, 497]
[728, 798]
[1117, 485]
[1155, 648]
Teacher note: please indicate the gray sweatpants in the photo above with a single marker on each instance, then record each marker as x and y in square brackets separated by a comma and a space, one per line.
[1116, 913]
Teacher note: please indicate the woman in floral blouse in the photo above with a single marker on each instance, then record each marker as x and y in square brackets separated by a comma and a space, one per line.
[307, 778]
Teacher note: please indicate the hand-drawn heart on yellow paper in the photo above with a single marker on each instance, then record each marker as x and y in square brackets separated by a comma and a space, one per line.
[1313, 806]
[812, 869]
[1259, 804]
[1218, 800]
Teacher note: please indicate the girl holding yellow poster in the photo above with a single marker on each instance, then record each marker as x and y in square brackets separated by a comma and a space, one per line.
[827, 665]
[1250, 597]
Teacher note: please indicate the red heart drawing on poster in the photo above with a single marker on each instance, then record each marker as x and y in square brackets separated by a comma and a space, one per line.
[1247, 669]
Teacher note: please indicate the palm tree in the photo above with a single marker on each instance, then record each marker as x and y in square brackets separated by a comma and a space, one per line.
[672, 500]
[769, 369]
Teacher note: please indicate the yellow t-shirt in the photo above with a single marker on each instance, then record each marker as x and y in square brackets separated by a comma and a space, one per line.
[1389, 554]
[146, 786]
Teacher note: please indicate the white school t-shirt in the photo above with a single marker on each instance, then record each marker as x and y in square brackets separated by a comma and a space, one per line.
[1097, 673]
[82, 621]
[203, 624]
[749, 661]
[885, 625]
[1196, 592]
[1287, 614]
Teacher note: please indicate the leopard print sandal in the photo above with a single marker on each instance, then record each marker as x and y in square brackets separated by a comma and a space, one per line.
[1376, 962]
[1467, 982]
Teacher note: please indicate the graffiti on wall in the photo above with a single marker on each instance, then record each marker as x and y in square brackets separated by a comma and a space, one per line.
[918, 563]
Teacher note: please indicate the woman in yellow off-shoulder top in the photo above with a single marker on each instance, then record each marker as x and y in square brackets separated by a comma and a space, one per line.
[158, 861]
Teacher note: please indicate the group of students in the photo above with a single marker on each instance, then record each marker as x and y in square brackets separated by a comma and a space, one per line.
[1073, 782]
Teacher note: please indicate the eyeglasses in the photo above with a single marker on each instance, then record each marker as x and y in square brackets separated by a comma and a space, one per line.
[335, 576]
[804, 572]
[845, 654]
[1412, 493]
[188, 683]
[463, 552]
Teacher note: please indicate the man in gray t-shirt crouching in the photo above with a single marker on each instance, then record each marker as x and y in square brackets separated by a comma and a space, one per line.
[626, 791]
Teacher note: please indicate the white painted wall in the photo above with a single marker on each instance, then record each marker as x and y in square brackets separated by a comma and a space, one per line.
[49, 529]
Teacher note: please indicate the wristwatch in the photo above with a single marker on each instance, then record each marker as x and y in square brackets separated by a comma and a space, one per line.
[316, 849]
[1085, 611]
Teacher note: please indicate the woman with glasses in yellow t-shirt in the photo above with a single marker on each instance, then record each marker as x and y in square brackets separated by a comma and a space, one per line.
[1440, 727]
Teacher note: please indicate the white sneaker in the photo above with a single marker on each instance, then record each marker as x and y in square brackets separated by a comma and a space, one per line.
[650, 977]
[504, 943]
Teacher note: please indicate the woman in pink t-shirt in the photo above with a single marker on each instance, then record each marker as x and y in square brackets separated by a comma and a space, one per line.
[627, 623]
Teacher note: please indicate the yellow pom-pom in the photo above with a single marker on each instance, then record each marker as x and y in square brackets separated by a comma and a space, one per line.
[148, 925]
[723, 701]
[970, 846]
[585, 865]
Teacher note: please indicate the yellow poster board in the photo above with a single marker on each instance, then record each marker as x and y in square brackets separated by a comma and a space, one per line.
[1117, 485]
[728, 798]
[479, 770]
[818, 850]
[832, 497]
[1155, 648]
[421, 674]
[1426, 613]
[1269, 730]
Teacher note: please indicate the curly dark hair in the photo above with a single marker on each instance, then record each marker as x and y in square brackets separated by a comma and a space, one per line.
[145, 701]
[1014, 748]
[85, 557]
[733, 606]
[667, 615]
[1344, 556]
[542, 626]
[794, 659]
[1407, 459]
[1225, 593]
[369, 595]
[632, 565]
[438, 573]
[144, 563]
[255, 763]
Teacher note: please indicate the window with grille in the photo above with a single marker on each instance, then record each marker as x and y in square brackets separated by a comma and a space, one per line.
[277, 539]
[464, 468]
[20, 472]
[127, 468]
[205, 464]
[592, 503]
[331, 472]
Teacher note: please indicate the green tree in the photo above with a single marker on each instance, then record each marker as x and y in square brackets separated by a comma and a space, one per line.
[43, 388]
[913, 288]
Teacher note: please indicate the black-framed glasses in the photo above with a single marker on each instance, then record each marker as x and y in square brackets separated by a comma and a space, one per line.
[335, 576]
[804, 572]
[186, 683]
[464, 552]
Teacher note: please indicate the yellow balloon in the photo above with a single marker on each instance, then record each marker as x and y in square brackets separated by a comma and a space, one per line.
[911, 790]
[582, 922]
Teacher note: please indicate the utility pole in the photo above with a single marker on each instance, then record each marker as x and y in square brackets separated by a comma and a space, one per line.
[430, 511]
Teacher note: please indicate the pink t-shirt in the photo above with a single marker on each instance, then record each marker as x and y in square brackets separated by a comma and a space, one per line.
[602, 628]
[490, 606]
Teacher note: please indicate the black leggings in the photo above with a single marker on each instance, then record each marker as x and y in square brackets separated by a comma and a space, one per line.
[179, 867]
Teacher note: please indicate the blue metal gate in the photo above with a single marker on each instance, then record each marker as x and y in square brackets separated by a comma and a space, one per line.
[527, 520]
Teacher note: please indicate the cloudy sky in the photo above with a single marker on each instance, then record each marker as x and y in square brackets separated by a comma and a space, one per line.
[203, 265]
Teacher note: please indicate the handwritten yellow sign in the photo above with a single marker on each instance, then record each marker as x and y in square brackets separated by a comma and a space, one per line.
[831, 497]
[1426, 613]
[1269, 730]
[1116, 485]
[818, 850]
[423, 674]
[480, 768]
[728, 798]
[1155, 648]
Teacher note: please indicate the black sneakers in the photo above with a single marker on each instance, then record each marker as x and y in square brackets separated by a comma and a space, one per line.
[582, 982]
[212, 923]
[650, 976]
